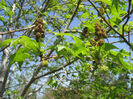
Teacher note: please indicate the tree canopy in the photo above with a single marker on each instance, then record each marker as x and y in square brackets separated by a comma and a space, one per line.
[66, 49]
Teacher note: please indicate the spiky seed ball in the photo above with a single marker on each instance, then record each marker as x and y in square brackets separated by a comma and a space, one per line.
[105, 35]
[101, 20]
[99, 33]
[41, 50]
[104, 68]
[85, 32]
[92, 41]
[40, 26]
[44, 63]
[40, 20]
[42, 30]
[36, 29]
[38, 34]
[97, 25]
[97, 28]
[100, 42]
[36, 23]
[103, 29]
[96, 38]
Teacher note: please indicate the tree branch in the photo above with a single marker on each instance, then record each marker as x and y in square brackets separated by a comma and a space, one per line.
[69, 22]
[18, 30]
[36, 71]
[124, 39]
[128, 16]
[122, 20]
[5, 70]
[45, 8]
[58, 69]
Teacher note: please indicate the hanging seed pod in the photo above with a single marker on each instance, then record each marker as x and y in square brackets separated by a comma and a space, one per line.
[92, 41]
[100, 42]
[99, 33]
[105, 35]
[40, 20]
[39, 31]
[96, 38]
[85, 32]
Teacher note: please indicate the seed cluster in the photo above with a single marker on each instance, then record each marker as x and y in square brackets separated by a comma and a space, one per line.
[85, 32]
[39, 31]
[100, 34]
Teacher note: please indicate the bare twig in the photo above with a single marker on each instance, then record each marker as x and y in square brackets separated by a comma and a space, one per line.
[116, 42]
[72, 31]
[68, 24]
[128, 16]
[18, 30]
[119, 36]
[19, 12]
[45, 8]
[33, 92]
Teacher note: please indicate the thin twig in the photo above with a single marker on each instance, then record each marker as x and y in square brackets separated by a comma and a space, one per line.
[119, 36]
[19, 12]
[36, 71]
[68, 24]
[128, 16]
[53, 71]
[116, 42]
[121, 20]
[18, 30]
[45, 8]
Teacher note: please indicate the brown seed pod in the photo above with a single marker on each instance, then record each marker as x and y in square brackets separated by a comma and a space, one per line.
[97, 25]
[103, 29]
[99, 33]
[38, 34]
[101, 20]
[92, 41]
[105, 35]
[40, 26]
[96, 38]
[42, 30]
[42, 35]
[36, 23]
[85, 32]
[100, 42]
[40, 20]
[36, 29]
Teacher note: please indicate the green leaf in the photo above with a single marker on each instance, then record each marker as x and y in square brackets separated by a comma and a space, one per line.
[6, 42]
[108, 2]
[19, 57]
[108, 46]
[125, 64]
[116, 4]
